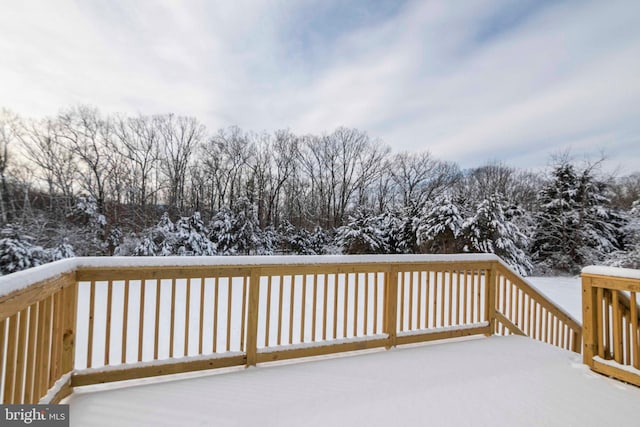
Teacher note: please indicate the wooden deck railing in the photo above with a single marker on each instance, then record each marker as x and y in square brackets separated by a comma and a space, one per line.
[521, 310]
[92, 320]
[611, 317]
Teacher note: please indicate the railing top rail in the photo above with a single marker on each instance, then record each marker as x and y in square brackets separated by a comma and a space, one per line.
[26, 278]
[623, 273]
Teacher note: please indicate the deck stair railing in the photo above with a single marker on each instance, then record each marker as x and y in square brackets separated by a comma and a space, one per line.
[611, 318]
[93, 320]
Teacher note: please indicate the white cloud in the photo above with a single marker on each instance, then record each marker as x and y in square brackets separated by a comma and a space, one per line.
[420, 79]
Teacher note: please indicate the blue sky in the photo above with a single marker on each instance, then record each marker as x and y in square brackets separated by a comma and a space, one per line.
[470, 81]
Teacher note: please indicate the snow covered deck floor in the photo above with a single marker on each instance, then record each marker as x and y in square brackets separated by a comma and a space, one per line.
[507, 381]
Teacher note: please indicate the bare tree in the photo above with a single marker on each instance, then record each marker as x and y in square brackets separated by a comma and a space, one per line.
[497, 178]
[419, 177]
[138, 143]
[87, 136]
[178, 137]
[56, 164]
[9, 132]
[225, 158]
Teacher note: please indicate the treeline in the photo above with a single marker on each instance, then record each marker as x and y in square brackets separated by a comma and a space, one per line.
[93, 184]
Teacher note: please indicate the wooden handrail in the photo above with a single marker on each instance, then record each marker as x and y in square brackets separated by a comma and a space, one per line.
[143, 317]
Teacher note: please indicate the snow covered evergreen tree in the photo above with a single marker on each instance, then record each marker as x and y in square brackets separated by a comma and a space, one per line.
[294, 240]
[439, 226]
[397, 230]
[236, 231]
[62, 251]
[318, 241]
[629, 257]
[191, 237]
[91, 224]
[363, 234]
[489, 231]
[575, 225]
[18, 253]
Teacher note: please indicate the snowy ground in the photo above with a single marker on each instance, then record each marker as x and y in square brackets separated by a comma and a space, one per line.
[497, 381]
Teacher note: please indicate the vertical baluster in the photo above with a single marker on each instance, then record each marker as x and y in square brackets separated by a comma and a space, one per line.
[442, 297]
[125, 321]
[92, 305]
[478, 295]
[365, 327]
[503, 302]
[40, 351]
[229, 310]
[401, 280]
[143, 284]
[20, 359]
[634, 330]
[427, 298]
[345, 305]
[435, 299]
[172, 319]
[464, 297]
[627, 339]
[547, 326]
[516, 318]
[268, 318]
[375, 303]
[280, 292]
[244, 312]
[216, 289]
[450, 315]
[292, 299]
[187, 310]
[314, 306]
[107, 334]
[419, 322]
[45, 350]
[325, 305]
[335, 306]
[472, 305]
[538, 316]
[303, 308]
[12, 355]
[605, 324]
[156, 325]
[3, 336]
[410, 300]
[201, 317]
[530, 314]
[355, 305]
[617, 328]
[31, 353]
[458, 299]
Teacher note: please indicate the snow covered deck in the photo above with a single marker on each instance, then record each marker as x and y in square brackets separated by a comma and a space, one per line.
[493, 381]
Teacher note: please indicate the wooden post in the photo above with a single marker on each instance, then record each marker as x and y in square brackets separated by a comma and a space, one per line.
[70, 305]
[252, 318]
[589, 321]
[391, 306]
[490, 297]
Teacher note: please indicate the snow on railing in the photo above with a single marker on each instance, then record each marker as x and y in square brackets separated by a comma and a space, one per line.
[93, 320]
[611, 318]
